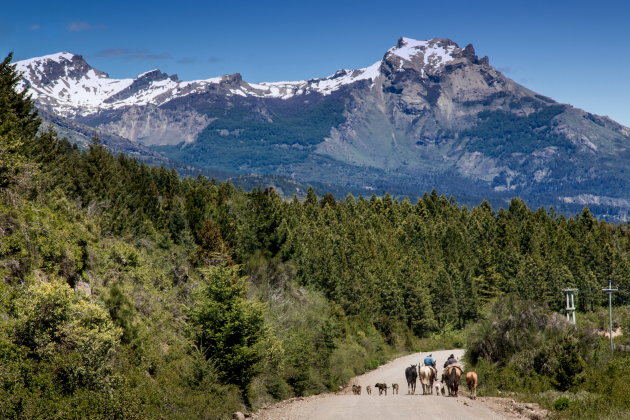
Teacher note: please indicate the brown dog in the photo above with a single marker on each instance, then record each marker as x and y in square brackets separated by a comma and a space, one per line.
[381, 388]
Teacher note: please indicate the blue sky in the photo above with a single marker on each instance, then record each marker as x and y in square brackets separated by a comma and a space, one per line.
[576, 52]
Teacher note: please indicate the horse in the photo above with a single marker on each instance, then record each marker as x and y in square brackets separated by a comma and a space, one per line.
[471, 380]
[427, 376]
[452, 375]
[411, 375]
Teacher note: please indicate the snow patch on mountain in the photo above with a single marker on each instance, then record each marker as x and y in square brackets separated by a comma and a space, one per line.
[433, 53]
[324, 86]
[57, 57]
[70, 87]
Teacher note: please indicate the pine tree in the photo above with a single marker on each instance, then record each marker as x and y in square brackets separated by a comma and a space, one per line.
[18, 124]
[18, 117]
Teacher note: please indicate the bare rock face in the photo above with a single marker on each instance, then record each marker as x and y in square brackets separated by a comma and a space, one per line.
[158, 126]
[429, 91]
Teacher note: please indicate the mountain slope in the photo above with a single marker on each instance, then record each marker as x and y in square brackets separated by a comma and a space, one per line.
[428, 114]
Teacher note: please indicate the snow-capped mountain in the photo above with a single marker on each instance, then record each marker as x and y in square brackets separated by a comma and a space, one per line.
[427, 114]
[67, 85]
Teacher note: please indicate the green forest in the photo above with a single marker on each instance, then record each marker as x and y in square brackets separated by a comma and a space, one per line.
[130, 292]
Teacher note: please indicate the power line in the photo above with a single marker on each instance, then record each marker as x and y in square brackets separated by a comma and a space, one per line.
[610, 291]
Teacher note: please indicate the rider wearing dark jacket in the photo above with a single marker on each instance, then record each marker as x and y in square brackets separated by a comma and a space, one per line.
[451, 360]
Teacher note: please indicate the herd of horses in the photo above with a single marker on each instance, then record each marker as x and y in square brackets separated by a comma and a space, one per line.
[449, 382]
[451, 377]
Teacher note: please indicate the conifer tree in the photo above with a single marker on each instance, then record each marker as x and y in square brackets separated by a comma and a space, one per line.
[18, 117]
[18, 124]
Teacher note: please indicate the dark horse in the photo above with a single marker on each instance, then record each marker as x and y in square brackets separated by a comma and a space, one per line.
[452, 375]
[411, 374]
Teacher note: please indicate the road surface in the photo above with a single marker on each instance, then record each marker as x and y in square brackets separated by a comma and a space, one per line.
[344, 405]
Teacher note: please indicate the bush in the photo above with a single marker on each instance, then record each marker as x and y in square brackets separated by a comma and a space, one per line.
[77, 335]
[532, 343]
[561, 404]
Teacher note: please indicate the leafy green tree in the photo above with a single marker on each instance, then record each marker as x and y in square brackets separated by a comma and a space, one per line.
[570, 363]
[77, 335]
[122, 313]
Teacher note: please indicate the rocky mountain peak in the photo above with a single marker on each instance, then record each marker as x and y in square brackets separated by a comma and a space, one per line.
[144, 81]
[47, 69]
[232, 79]
[152, 76]
[421, 56]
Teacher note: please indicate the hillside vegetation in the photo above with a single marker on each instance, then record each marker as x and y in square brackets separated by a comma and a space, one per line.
[129, 292]
[519, 349]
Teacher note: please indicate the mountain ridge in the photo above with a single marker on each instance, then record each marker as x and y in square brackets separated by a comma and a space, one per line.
[426, 108]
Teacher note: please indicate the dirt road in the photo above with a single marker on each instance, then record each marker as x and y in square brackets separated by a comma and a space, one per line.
[345, 405]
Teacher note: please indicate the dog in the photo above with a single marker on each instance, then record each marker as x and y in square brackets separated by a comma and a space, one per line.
[382, 388]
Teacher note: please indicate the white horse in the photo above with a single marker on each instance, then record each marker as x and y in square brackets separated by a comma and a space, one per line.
[427, 376]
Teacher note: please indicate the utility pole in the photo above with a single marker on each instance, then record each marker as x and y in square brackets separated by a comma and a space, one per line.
[570, 295]
[610, 291]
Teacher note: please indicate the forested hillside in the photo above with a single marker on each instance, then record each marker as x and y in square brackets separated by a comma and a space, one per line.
[129, 292]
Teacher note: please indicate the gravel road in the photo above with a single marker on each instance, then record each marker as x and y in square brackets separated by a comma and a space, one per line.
[345, 405]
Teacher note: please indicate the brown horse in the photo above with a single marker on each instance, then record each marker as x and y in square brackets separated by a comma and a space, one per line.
[452, 375]
[471, 380]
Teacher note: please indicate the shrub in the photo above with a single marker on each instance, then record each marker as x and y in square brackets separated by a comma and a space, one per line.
[75, 334]
[561, 404]
[533, 343]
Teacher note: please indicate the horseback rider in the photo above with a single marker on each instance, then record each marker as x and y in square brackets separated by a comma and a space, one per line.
[450, 361]
[429, 361]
